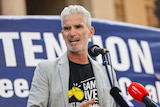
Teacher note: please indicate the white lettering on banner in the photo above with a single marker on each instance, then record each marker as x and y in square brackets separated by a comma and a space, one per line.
[29, 48]
[52, 46]
[141, 56]
[8, 45]
[6, 88]
[20, 86]
[154, 92]
[113, 42]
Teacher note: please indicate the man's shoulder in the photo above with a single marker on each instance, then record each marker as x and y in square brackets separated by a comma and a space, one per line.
[52, 62]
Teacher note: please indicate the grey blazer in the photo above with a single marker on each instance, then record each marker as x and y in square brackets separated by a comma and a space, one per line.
[49, 86]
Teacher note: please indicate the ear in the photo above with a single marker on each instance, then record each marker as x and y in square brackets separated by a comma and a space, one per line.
[92, 30]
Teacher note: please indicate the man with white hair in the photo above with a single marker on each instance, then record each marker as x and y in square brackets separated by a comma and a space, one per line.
[74, 79]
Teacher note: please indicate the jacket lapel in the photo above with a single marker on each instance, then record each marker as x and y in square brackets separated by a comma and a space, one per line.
[64, 76]
[99, 80]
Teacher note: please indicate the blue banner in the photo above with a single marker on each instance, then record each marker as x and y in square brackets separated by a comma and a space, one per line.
[25, 41]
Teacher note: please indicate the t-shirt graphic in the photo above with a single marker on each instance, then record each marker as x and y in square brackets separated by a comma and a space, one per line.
[82, 84]
[76, 92]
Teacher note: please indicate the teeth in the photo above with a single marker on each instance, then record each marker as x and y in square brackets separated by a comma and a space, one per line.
[74, 40]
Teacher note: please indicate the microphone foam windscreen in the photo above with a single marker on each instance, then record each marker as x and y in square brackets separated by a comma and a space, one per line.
[137, 91]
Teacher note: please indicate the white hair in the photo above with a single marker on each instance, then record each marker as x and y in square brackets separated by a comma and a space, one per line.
[76, 9]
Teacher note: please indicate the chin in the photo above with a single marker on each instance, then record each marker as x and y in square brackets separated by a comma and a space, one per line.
[74, 50]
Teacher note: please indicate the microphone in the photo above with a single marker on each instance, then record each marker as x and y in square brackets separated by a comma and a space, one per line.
[95, 50]
[120, 98]
[139, 93]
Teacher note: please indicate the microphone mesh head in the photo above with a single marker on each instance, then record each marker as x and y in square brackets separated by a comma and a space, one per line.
[92, 52]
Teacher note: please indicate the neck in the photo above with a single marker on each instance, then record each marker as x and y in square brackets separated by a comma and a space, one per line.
[79, 58]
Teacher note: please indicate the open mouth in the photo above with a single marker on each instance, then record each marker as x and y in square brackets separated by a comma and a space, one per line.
[73, 40]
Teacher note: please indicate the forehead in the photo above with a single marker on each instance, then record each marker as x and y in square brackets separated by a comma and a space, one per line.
[73, 19]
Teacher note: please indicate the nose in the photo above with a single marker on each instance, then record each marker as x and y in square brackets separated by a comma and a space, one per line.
[72, 32]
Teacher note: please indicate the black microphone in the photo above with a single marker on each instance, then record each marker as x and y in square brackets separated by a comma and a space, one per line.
[95, 50]
[140, 94]
[120, 98]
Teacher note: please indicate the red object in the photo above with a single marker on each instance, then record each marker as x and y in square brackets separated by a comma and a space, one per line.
[137, 91]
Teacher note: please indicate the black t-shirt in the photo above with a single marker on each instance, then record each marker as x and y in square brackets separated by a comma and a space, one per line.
[82, 84]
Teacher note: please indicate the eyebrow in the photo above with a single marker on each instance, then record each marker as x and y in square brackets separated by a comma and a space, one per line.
[69, 27]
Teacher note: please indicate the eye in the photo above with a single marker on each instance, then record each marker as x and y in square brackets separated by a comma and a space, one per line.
[66, 28]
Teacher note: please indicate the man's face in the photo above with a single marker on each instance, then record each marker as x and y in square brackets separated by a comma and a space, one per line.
[76, 32]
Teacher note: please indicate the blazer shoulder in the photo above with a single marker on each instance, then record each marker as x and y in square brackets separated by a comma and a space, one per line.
[47, 63]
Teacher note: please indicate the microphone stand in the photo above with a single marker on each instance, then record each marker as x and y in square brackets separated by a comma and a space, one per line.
[106, 63]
